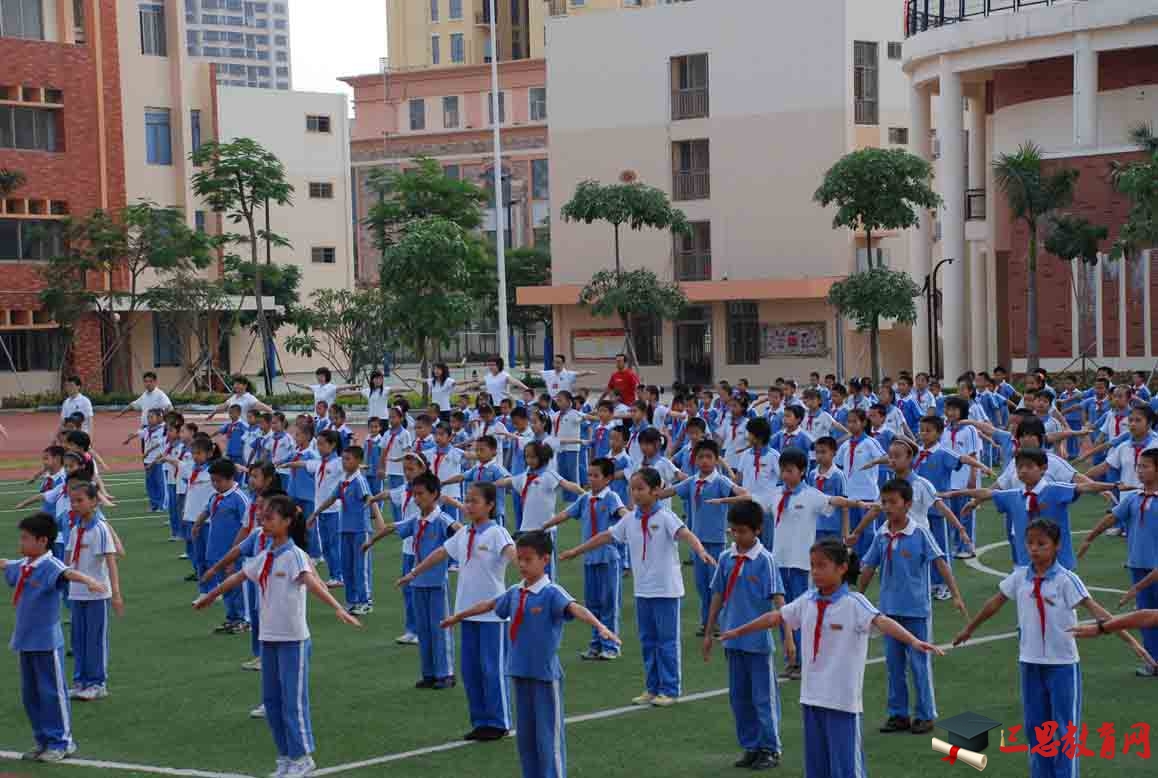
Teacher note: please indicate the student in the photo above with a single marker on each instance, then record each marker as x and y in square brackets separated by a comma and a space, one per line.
[171, 457]
[651, 533]
[759, 469]
[650, 443]
[537, 487]
[37, 579]
[828, 479]
[1045, 593]
[350, 495]
[483, 549]
[861, 478]
[152, 437]
[321, 417]
[708, 518]
[536, 608]
[904, 553]
[1137, 512]
[833, 660]
[445, 462]
[746, 585]
[430, 530]
[733, 431]
[818, 423]
[234, 432]
[395, 442]
[565, 426]
[423, 440]
[486, 470]
[326, 471]
[152, 399]
[52, 460]
[961, 439]
[226, 513]
[301, 486]
[284, 574]
[338, 423]
[91, 550]
[792, 435]
[404, 507]
[1127, 449]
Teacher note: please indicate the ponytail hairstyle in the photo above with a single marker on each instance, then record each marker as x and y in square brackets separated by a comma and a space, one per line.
[397, 410]
[840, 554]
[282, 505]
[488, 493]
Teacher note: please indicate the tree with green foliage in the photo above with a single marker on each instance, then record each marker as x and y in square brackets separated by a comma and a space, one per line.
[525, 267]
[194, 306]
[1076, 238]
[421, 191]
[1139, 182]
[242, 179]
[281, 282]
[137, 242]
[874, 190]
[639, 292]
[10, 181]
[347, 328]
[1032, 195]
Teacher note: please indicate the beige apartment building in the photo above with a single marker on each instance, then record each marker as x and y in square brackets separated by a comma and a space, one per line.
[735, 109]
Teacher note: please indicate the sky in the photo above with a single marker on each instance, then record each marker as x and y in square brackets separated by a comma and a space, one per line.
[332, 38]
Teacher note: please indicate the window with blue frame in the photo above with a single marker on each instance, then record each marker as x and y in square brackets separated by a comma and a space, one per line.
[158, 137]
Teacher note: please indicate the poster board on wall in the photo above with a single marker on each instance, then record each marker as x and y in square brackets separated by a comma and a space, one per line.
[798, 339]
[596, 345]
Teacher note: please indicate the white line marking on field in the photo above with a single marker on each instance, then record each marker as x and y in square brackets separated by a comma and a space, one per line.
[121, 502]
[139, 768]
[981, 567]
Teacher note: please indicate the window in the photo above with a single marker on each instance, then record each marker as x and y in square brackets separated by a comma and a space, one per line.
[647, 336]
[158, 137]
[894, 50]
[689, 81]
[491, 108]
[323, 255]
[195, 129]
[693, 253]
[865, 84]
[417, 114]
[690, 170]
[32, 350]
[457, 48]
[317, 123]
[452, 171]
[538, 103]
[199, 221]
[899, 136]
[450, 113]
[455, 9]
[30, 239]
[540, 180]
[743, 333]
[278, 24]
[21, 19]
[166, 342]
[28, 128]
[434, 10]
[282, 72]
[435, 53]
[321, 190]
[152, 29]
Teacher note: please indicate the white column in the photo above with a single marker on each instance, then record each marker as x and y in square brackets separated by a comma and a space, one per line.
[1085, 92]
[978, 302]
[951, 178]
[920, 247]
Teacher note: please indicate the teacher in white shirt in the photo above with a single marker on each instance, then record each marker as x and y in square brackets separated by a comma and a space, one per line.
[561, 379]
[242, 396]
[151, 398]
[498, 381]
[75, 402]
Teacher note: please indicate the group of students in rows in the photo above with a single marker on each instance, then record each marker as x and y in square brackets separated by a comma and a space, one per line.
[794, 501]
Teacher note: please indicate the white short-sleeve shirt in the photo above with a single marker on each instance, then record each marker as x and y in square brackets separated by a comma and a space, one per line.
[96, 544]
[834, 675]
[1061, 591]
[283, 600]
[327, 393]
[498, 386]
[150, 400]
[560, 380]
[566, 425]
[796, 531]
[327, 482]
[440, 394]
[377, 403]
[78, 404]
[540, 499]
[655, 573]
[1124, 457]
[482, 576]
[1056, 469]
[245, 401]
[966, 441]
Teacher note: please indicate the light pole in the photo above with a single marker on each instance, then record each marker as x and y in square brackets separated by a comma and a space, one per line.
[930, 291]
[500, 206]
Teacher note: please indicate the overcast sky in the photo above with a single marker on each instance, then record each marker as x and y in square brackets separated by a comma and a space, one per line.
[332, 38]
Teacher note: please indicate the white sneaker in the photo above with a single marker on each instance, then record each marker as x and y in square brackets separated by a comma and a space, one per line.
[942, 593]
[1114, 531]
[258, 712]
[173, 539]
[299, 768]
[283, 763]
[182, 556]
[75, 691]
[333, 583]
[407, 639]
[88, 694]
[252, 664]
[98, 692]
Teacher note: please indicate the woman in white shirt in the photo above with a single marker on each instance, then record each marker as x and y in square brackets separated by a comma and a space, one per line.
[325, 390]
[377, 396]
[441, 389]
[242, 396]
[498, 381]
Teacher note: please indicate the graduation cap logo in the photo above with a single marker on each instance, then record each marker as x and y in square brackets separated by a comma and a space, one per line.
[968, 736]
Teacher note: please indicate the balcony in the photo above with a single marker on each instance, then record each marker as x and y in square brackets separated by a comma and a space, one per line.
[691, 185]
[482, 17]
[974, 205]
[689, 103]
[922, 15]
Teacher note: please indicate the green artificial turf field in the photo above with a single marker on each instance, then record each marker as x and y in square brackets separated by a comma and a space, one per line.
[179, 699]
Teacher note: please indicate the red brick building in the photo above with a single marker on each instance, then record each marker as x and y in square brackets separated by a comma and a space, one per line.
[60, 126]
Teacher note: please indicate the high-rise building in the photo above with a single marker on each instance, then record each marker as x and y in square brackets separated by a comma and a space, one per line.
[248, 41]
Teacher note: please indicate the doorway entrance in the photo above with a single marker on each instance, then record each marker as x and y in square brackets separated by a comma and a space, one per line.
[693, 336]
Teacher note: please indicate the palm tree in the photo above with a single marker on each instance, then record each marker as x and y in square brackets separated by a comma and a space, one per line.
[10, 181]
[1032, 195]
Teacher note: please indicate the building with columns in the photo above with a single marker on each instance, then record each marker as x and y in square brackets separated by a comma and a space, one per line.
[1072, 78]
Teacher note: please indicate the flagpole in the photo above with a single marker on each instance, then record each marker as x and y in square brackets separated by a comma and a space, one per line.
[500, 197]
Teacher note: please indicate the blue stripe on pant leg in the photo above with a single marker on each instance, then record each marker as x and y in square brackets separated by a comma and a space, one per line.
[295, 693]
[667, 615]
[645, 620]
[90, 632]
[833, 746]
[1147, 599]
[408, 620]
[1065, 694]
[253, 605]
[444, 638]
[46, 698]
[331, 548]
[740, 698]
[703, 576]
[550, 741]
[271, 695]
[484, 654]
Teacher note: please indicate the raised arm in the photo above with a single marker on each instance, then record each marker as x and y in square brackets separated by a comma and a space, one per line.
[1103, 525]
[768, 620]
[92, 584]
[318, 589]
[229, 584]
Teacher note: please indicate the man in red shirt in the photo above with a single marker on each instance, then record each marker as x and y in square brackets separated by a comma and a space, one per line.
[624, 380]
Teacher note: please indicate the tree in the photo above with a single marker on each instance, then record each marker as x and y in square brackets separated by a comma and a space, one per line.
[346, 327]
[875, 190]
[281, 282]
[1032, 195]
[630, 293]
[240, 179]
[1139, 182]
[1076, 238]
[421, 192]
[192, 305]
[10, 181]
[638, 206]
[525, 267]
[126, 247]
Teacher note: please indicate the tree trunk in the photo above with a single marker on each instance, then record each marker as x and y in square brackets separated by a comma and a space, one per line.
[1032, 356]
[629, 343]
[262, 324]
[618, 269]
[875, 330]
[423, 369]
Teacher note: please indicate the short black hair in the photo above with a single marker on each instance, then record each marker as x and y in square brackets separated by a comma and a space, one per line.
[960, 404]
[794, 410]
[794, 457]
[74, 379]
[56, 452]
[650, 476]
[697, 423]
[40, 525]
[355, 451]
[1033, 456]
[825, 440]
[536, 540]
[936, 422]
[333, 437]
[706, 445]
[428, 481]
[650, 436]
[150, 374]
[604, 465]
[1051, 530]
[489, 440]
[760, 429]
[747, 513]
[324, 371]
[899, 486]
[223, 468]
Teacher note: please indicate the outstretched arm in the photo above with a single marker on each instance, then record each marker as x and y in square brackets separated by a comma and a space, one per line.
[767, 621]
[579, 613]
[991, 606]
[319, 590]
[690, 538]
[486, 606]
[602, 539]
[1103, 525]
[899, 633]
[435, 558]
[228, 585]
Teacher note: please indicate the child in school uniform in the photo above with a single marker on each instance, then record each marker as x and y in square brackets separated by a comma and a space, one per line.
[152, 437]
[52, 459]
[733, 431]
[326, 471]
[37, 579]
[961, 439]
[904, 553]
[404, 508]
[826, 478]
[280, 446]
[792, 435]
[483, 549]
[171, 459]
[597, 511]
[566, 424]
[1045, 593]
[199, 491]
[861, 478]
[430, 530]
[234, 433]
[537, 488]
[652, 534]
[225, 513]
[350, 495]
[394, 444]
[536, 608]
[818, 423]
[486, 469]
[837, 623]
[373, 451]
[759, 470]
[301, 485]
[445, 462]
[338, 425]
[747, 585]
[650, 443]
[283, 573]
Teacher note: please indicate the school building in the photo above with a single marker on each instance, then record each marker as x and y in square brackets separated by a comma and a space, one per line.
[735, 108]
[101, 104]
[1073, 78]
